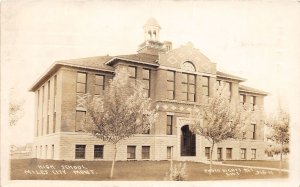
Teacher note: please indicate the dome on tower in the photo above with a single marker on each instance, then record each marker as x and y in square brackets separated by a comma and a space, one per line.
[152, 22]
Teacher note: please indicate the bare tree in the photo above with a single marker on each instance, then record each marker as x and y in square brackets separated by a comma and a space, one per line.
[121, 112]
[16, 110]
[279, 131]
[220, 119]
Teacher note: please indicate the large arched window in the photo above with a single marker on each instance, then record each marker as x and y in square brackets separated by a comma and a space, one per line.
[188, 66]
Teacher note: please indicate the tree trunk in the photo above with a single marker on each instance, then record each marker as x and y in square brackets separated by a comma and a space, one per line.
[281, 150]
[114, 160]
[211, 153]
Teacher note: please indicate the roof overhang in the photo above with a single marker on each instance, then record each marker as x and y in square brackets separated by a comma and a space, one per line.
[54, 67]
[129, 60]
[252, 90]
[232, 77]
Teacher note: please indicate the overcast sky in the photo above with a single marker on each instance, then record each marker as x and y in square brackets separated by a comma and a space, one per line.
[253, 39]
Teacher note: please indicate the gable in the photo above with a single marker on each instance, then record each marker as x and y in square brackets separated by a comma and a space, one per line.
[176, 58]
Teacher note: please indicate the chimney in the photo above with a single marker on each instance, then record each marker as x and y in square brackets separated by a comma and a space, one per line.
[167, 46]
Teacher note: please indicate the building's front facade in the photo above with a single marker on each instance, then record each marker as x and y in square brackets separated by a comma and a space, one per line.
[175, 79]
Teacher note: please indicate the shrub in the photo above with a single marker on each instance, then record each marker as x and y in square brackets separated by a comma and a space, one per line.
[177, 173]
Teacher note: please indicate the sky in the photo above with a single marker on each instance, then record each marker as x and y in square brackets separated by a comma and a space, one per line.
[257, 40]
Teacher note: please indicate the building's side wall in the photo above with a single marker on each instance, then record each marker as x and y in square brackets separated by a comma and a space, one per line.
[47, 104]
[47, 147]
[71, 100]
[236, 146]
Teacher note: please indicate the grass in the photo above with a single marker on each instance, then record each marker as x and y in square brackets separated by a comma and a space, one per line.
[129, 171]
[258, 163]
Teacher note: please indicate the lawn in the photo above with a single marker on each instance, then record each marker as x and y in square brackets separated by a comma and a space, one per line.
[258, 163]
[32, 169]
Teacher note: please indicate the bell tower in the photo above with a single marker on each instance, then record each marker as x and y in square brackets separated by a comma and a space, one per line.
[151, 29]
[151, 44]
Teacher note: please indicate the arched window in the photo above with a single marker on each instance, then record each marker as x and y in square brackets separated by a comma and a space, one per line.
[188, 66]
[154, 35]
[149, 35]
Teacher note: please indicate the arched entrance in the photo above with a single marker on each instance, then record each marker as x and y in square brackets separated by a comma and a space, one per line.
[188, 142]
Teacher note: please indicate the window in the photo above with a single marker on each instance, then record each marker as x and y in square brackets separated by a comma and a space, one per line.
[54, 103]
[145, 152]
[189, 87]
[253, 154]
[81, 82]
[219, 153]
[132, 72]
[205, 88]
[48, 120]
[169, 152]
[52, 152]
[253, 128]
[188, 66]
[55, 93]
[43, 95]
[46, 149]
[37, 112]
[228, 153]
[146, 81]
[80, 120]
[54, 122]
[243, 153]
[99, 84]
[80, 151]
[169, 124]
[98, 151]
[41, 151]
[228, 88]
[48, 97]
[207, 152]
[219, 83]
[171, 84]
[130, 152]
[252, 102]
[242, 99]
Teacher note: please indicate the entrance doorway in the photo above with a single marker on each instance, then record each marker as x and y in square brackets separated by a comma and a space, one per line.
[188, 142]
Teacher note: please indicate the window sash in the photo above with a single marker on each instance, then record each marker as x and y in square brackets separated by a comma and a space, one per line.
[189, 87]
[205, 86]
[132, 71]
[219, 153]
[253, 153]
[243, 153]
[145, 152]
[229, 153]
[98, 151]
[171, 94]
[80, 151]
[81, 77]
[171, 76]
[207, 152]
[81, 88]
[253, 131]
[130, 152]
[99, 80]
[242, 99]
[146, 74]
[54, 122]
[169, 124]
